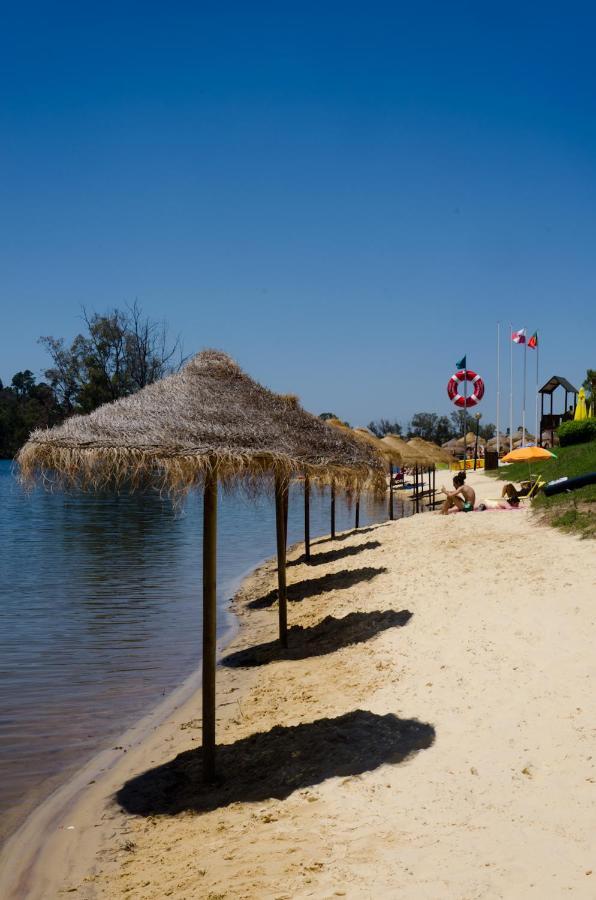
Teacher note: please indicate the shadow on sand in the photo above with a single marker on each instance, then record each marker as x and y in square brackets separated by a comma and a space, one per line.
[319, 559]
[347, 534]
[276, 763]
[311, 587]
[329, 635]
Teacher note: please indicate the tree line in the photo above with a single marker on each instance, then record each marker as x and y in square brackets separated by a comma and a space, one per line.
[118, 353]
[429, 426]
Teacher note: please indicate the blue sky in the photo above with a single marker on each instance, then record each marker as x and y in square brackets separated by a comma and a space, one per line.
[344, 197]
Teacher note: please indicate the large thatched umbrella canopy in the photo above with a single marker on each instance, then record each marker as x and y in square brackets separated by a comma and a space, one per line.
[208, 418]
[208, 422]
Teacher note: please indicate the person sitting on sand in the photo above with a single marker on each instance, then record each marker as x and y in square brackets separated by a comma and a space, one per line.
[462, 497]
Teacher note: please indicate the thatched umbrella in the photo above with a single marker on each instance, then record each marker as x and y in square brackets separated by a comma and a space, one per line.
[388, 453]
[208, 423]
[470, 438]
[334, 423]
[409, 454]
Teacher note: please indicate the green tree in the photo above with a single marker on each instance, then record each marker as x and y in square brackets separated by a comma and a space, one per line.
[384, 426]
[589, 384]
[24, 406]
[121, 352]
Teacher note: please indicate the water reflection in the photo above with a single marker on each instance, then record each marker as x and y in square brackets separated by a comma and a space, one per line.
[100, 613]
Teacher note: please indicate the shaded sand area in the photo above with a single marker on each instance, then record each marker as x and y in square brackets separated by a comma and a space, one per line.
[430, 733]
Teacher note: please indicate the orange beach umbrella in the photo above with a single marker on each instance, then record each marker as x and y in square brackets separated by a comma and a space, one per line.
[528, 454]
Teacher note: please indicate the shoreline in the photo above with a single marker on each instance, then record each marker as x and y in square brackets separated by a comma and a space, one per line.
[426, 736]
[29, 843]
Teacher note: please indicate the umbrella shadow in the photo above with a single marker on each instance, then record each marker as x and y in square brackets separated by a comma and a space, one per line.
[275, 763]
[319, 559]
[348, 534]
[328, 636]
[311, 587]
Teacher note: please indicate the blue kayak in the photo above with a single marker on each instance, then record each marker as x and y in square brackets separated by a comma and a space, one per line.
[566, 485]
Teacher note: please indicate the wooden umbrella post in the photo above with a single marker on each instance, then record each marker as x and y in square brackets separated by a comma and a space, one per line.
[286, 510]
[282, 600]
[391, 491]
[307, 518]
[417, 488]
[332, 510]
[209, 622]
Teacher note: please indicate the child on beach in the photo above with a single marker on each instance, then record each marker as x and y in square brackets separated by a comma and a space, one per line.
[463, 497]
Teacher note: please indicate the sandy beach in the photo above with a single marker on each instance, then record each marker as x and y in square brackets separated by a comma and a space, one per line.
[429, 734]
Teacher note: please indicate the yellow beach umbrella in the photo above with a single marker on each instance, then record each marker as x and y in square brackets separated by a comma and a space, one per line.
[581, 411]
[528, 454]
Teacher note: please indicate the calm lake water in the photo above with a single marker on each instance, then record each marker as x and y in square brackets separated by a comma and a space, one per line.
[100, 615]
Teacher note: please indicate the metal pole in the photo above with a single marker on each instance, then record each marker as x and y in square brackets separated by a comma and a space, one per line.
[209, 622]
[524, 403]
[357, 516]
[498, 388]
[510, 386]
[307, 518]
[537, 433]
[333, 510]
[465, 413]
[476, 442]
[391, 491]
[282, 599]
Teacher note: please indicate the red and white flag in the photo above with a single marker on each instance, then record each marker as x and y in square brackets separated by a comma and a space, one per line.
[519, 337]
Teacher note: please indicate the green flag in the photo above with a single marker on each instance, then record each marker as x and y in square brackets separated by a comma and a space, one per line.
[461, 364]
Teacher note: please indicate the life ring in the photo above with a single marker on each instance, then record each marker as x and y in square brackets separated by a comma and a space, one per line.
[454, 383]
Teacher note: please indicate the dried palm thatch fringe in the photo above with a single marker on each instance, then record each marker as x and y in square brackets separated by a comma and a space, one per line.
[434, 453]
[209, 417]
[408, 456]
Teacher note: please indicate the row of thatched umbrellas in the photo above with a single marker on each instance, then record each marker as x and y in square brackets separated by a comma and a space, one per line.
[211, 423]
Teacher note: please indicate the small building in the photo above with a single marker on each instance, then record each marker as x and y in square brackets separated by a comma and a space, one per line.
[551, 420]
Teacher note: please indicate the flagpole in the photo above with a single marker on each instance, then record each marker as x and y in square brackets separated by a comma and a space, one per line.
[538, 433]
[465, 410]
[524, 398]
[510, 386]
[499, 386]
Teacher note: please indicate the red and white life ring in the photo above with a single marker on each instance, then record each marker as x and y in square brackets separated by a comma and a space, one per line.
[453, 388]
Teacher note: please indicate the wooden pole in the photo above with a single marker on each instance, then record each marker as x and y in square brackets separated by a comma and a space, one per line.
[357, 516]
[209, 622]
[282, 599]
[391, 491]
[307, 518]
[286, 510]
[332, 510]
[417, 489]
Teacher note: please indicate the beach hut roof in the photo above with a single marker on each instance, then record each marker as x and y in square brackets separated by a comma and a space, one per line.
[210, 416]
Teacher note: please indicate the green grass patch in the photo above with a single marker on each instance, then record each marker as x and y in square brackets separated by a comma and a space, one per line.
[574, 512]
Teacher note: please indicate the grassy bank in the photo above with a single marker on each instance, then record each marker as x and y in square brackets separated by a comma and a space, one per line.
[572, 512]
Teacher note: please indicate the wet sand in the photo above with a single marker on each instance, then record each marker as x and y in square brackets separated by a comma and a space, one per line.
[428, 734]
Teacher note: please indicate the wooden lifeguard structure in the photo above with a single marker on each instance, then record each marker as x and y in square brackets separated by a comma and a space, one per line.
[551, 420]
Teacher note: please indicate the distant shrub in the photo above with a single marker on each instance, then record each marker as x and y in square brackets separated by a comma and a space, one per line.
[577, 432]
